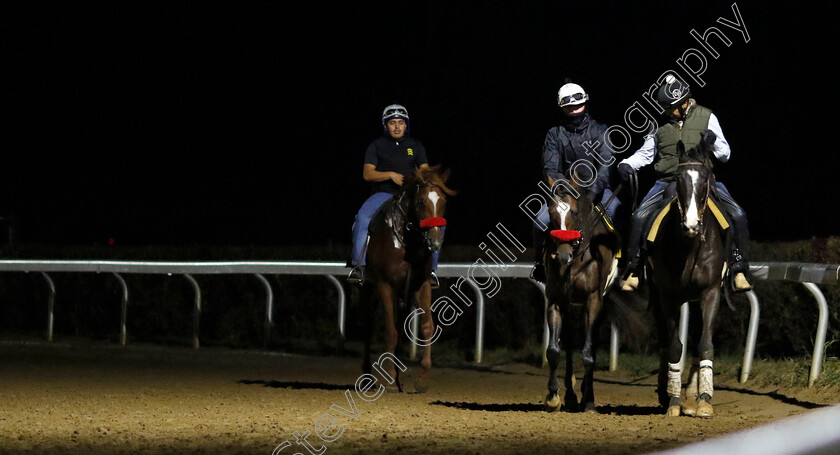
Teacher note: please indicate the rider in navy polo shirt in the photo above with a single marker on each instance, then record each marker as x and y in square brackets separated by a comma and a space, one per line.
[387, 160]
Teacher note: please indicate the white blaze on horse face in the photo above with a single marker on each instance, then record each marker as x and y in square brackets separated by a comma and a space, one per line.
[563, 210]
[433, 197]
[692, 217]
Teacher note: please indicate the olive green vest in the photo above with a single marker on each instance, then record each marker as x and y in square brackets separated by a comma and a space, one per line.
[669, 134]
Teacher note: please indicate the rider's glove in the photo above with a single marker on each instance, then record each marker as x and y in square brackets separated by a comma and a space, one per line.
[708, 137]
[625, 171]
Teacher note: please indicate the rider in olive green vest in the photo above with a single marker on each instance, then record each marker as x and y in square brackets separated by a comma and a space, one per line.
[687, 120]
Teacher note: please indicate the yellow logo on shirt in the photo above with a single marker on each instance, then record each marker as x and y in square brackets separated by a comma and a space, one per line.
[410, 152]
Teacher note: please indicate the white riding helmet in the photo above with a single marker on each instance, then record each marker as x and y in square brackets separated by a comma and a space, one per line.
[394, 111]
[571, 95]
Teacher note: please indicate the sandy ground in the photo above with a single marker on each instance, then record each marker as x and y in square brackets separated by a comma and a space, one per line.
[102, 398]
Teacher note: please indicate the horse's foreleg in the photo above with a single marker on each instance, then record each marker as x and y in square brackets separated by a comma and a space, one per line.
[689, 406]
[552, 354]
[386, 295]
[593, 312]
[567, 335]
[674, 386]
[663, 330]
[427, 325]
[670, 351]
[709, 304]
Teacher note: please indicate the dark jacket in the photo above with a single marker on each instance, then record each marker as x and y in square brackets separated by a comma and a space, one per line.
[402, 155]
[564, 145]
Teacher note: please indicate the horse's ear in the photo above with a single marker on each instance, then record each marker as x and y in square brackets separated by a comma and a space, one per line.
[681, 152]
[445, 176]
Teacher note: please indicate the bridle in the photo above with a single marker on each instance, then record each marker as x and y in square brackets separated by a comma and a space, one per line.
[703, 201]
[409, 221]
[581, 243]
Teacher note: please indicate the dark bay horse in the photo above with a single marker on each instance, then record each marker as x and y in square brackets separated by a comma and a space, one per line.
[578, 260]
[403, 236]
[687, 261]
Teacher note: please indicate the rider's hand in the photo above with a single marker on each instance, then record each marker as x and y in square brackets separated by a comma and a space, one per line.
[625, 171]
[397, 178]
[708, 137]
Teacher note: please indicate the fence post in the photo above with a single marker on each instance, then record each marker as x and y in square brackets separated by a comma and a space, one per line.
[50, 306]
[196, 308]
[269, 309]
[822, 327]
[123, 309]
[752, 334]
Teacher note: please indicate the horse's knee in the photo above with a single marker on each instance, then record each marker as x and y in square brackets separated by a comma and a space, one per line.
[588, 359]
[553, 354]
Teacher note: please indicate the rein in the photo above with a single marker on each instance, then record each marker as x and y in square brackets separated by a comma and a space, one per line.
[408, 223]
[596, 215]
[705, 198]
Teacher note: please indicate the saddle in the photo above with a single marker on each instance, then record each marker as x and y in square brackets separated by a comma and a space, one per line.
[389, 215]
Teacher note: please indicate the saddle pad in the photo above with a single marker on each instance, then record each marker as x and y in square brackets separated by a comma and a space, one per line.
[654, 228]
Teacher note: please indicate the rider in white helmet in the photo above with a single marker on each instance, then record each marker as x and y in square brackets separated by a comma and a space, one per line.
[577, 137]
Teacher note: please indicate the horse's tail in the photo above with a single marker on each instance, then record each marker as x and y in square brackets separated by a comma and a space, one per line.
[628, 311]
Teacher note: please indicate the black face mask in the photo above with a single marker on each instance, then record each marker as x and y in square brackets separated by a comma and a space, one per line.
[573, 121]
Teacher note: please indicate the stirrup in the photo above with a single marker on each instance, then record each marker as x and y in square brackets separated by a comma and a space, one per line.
[434, 281]
[740, 283]
[357, 275]
[631, 283]
[632, 275]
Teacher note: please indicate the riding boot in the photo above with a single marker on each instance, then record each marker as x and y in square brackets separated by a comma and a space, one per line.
[633, 270]
[739, 272]
[357, 274]
[739, 268]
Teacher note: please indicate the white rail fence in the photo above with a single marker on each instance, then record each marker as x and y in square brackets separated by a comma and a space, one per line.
[808, 274]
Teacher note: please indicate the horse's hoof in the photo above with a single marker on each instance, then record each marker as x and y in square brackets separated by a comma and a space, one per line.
[552, 402]
[704, 409]
[571, 406]
[673, 410]
[589, 408]
[689, 408]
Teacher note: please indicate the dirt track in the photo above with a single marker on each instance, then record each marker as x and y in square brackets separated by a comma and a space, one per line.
[103, 398]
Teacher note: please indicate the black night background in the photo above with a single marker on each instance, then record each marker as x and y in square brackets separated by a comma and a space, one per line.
[180, 123]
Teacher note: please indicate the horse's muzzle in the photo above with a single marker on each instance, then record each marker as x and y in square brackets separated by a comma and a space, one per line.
[692, 231]
[433, 238]
[567, 242]
[433, 232]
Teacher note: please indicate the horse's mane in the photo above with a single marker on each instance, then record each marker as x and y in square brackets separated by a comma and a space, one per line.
[702, 153]
[432, 176]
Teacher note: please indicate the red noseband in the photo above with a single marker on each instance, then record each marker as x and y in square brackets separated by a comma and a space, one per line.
[565, 236]
[432, 222]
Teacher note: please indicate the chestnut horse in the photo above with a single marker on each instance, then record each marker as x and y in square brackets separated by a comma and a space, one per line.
[579, 260]
[687, 260]
[403, 235]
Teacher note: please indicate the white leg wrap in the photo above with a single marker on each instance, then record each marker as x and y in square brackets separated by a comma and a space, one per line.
[674, 380]
[706, 384]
